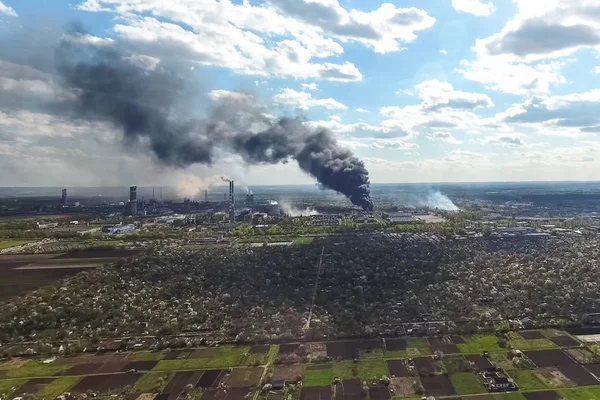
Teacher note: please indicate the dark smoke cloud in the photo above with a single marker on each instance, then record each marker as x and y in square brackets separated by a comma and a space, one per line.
[146, 104]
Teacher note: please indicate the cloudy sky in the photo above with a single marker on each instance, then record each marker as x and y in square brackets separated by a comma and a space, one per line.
[422, 91]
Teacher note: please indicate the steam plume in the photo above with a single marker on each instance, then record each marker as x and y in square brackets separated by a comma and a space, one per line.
[146, 104]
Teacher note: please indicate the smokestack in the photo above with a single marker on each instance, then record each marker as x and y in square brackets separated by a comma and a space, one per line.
[133, 200]
[63, 198]
[231, 202]
[206, 196]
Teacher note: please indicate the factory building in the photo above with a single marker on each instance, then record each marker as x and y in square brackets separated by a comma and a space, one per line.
[119, 229]
[231, 202]
[133, 200]
[63, 198]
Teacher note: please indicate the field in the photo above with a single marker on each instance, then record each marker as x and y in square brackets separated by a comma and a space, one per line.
[223, 357]
[467, 383]
[318, 376]
[168, 373]
[537, 341]
[303, 240]
[6, 244]
[478, 344]
[527, 380]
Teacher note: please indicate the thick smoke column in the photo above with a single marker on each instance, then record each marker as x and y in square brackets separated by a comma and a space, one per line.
[145, 101]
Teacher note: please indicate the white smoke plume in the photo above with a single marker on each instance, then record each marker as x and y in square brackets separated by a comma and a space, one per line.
[191, 186]
[436, 199]
[293, 211]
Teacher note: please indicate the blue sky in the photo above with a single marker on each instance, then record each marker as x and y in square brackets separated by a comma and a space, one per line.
[422, 91]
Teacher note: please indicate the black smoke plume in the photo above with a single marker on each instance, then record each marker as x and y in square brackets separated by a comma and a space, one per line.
[146, 101]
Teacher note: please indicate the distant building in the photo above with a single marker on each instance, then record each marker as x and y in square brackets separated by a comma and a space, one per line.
[48, 225]
[63, 198]
[119, 230]
[326, 219]
[133, 200]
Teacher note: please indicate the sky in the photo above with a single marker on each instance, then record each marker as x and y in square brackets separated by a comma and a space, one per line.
[421, 91]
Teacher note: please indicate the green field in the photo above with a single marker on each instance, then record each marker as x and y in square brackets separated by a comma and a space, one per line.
[363, 369]
[467, 383]
[547, 376]
[303, 240]
[415, 347]
[148, 356]
[56, 388]
[527, 380]
[317, 377]
[152, 382]
[36, 369]
[509, 396]
[223, 357]
[516, 341]
[456, 364]
[6, 244]
[588, 393]
[7, 386]
[478, 344]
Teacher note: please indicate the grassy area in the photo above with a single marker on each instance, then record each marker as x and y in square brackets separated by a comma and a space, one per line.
[527, 380]
[415, 347]
[467, 383]
[224, 357]
[6, 244]
[317, 377]
[502, 361]
[550, 333]
[372, 369]
[478, 344]
[456, 364]
[552, 378]
[148, 356]
[152, 382]
[272, 354]
[56, 388]
[364, 369]
[516, 341]
[588, 393]
[303, 240]
[509, 396]
[7, 386]
[255, 359]
[36, 369]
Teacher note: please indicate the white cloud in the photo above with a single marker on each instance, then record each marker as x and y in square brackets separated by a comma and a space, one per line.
[443, 137]
[361, 110]
[475, 7]
[304, 100]
[576, 114]
[441, 107]
[597, 70]
[405, 92]
[394, 144]
[7, 10]
[545, 29]
[444, 52]
[309, 86]
[279, 37]
[359, 130]
[463, 156]
[504, 140]
[510, 77]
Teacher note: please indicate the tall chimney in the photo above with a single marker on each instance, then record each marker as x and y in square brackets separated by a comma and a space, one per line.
[231, 202]
[206, 196]
[63, 197]
[133, 200]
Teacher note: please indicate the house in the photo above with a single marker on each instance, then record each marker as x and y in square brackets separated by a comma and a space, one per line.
[527, 323]
[495, 381]
[278, 384]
